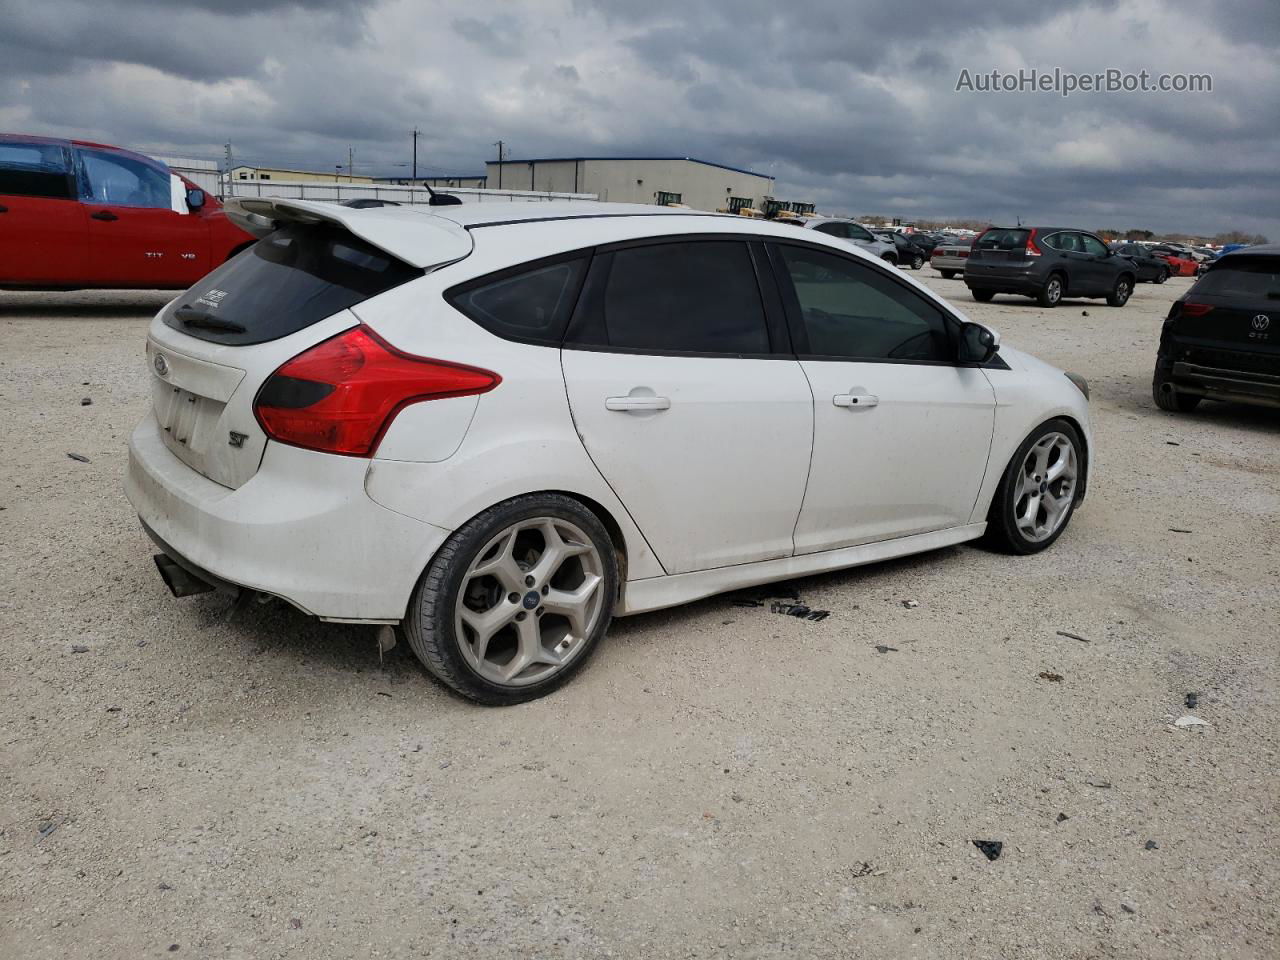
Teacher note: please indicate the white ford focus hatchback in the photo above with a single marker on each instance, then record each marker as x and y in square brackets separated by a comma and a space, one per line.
[501, 425]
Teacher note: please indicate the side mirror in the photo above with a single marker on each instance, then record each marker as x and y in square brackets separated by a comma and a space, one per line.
[195, 199]
[977, 343]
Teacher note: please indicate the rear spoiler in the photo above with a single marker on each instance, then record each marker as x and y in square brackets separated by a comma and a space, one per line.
[417, 237]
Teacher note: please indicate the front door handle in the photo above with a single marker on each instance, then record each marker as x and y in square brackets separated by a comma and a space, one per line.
[626, 404]
[855, 400]
[104, 215]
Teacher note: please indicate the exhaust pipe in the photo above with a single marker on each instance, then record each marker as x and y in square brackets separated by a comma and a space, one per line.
[180, 581]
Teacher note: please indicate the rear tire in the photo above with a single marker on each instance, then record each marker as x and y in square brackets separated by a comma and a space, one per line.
[917, 262]
[1121, 292]
[1166, 395]
[1162, 276]
[947, 274]
[983, 296]
[1051, 293]
[544, 550]
[890, 258]
[1033, 505]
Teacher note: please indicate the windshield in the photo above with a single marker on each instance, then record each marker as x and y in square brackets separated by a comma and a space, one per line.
[297, 276]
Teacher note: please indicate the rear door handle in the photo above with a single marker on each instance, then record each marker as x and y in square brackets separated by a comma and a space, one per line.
[855, 400]
[626, 404]
[104, 215]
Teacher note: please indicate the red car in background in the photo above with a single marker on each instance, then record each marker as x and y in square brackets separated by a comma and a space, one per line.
[76, 214]
[1178, 266]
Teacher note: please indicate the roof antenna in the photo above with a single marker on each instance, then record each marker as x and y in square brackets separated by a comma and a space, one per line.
[441, 199]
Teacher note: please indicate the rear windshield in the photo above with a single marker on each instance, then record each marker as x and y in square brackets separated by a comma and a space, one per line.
[297, 276]
[1248, 278]
[1002, 240]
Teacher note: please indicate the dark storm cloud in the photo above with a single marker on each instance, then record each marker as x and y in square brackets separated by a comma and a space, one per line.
[851, 105]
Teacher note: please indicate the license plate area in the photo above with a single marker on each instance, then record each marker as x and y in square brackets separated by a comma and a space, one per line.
[188, 422]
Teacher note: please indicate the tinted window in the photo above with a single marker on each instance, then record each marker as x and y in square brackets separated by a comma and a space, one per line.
[855, 311]
[833, 229]
[697, 297]
[123, 181]
[1054, 240]
[1093, 245]
[527, 305]
[858, 233]
[34, 170]
[1004, 240]
[1251, 278]
[297, 276]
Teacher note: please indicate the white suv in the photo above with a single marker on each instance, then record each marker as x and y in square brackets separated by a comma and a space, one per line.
[499, 426]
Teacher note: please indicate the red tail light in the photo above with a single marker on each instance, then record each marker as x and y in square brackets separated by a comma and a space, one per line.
[1195, 309]
[341, 395]
[1032, 249]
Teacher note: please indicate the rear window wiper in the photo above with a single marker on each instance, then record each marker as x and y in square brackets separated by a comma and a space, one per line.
[194, 318]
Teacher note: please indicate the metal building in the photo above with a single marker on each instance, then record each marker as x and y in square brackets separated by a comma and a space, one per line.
[662, 180]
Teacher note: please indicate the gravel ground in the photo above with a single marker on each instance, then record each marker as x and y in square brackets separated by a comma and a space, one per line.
[721, 781]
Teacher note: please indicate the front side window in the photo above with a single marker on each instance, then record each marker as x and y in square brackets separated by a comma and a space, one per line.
[855, 312]
[833, 229]
[34, 170]
[689, 297]
[1093, 245]
[531, 304]
[858, 233]
[123, 181]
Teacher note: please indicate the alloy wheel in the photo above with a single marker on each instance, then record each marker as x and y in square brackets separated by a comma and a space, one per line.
[1122, 291]
[1046, 487]
[529, 601]
[1054, 293]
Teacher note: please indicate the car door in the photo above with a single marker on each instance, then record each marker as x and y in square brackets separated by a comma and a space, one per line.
[688, 400]
[136, 236]
[1103, 267]
[901, 431]
[43, 231]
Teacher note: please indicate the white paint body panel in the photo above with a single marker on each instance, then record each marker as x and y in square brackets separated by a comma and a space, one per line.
[718, 477]
[911, 463]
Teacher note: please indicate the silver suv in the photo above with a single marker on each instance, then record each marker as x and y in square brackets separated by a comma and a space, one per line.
[855, 233]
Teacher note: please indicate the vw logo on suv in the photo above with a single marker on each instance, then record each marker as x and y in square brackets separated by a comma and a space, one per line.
[1261, 322]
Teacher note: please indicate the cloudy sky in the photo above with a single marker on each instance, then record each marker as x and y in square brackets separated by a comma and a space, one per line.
[852, 105]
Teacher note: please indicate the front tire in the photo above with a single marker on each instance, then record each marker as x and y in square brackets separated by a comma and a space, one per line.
[1039, 490]
[947, 274]
[1121, 292]
[983, 296]
[1162, 276]
[516, 600]
[917, 262]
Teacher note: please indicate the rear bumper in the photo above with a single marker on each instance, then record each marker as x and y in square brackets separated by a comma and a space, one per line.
[302, 529]
[1221, 384]
[1002, 279]
[948, 263]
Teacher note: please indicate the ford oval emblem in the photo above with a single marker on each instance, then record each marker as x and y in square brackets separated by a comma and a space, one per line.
[161, 365]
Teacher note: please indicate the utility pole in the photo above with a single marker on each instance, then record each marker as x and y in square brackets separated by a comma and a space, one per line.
[499, 146]
[226, 187]
[414, 179]
[351, 164]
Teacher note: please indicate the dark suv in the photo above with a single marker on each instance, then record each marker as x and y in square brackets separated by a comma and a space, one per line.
[1047, 264]
[1221, 340]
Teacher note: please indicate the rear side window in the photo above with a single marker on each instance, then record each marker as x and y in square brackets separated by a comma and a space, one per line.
[858, 233]
[833, 229]
[35, 170]
[1248, 278]
[528, 303]
[297, 276]
[1004, 240]
[852, 311]
[691, 297]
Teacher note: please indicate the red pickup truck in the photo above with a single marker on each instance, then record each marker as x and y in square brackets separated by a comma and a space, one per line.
[76, 214]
